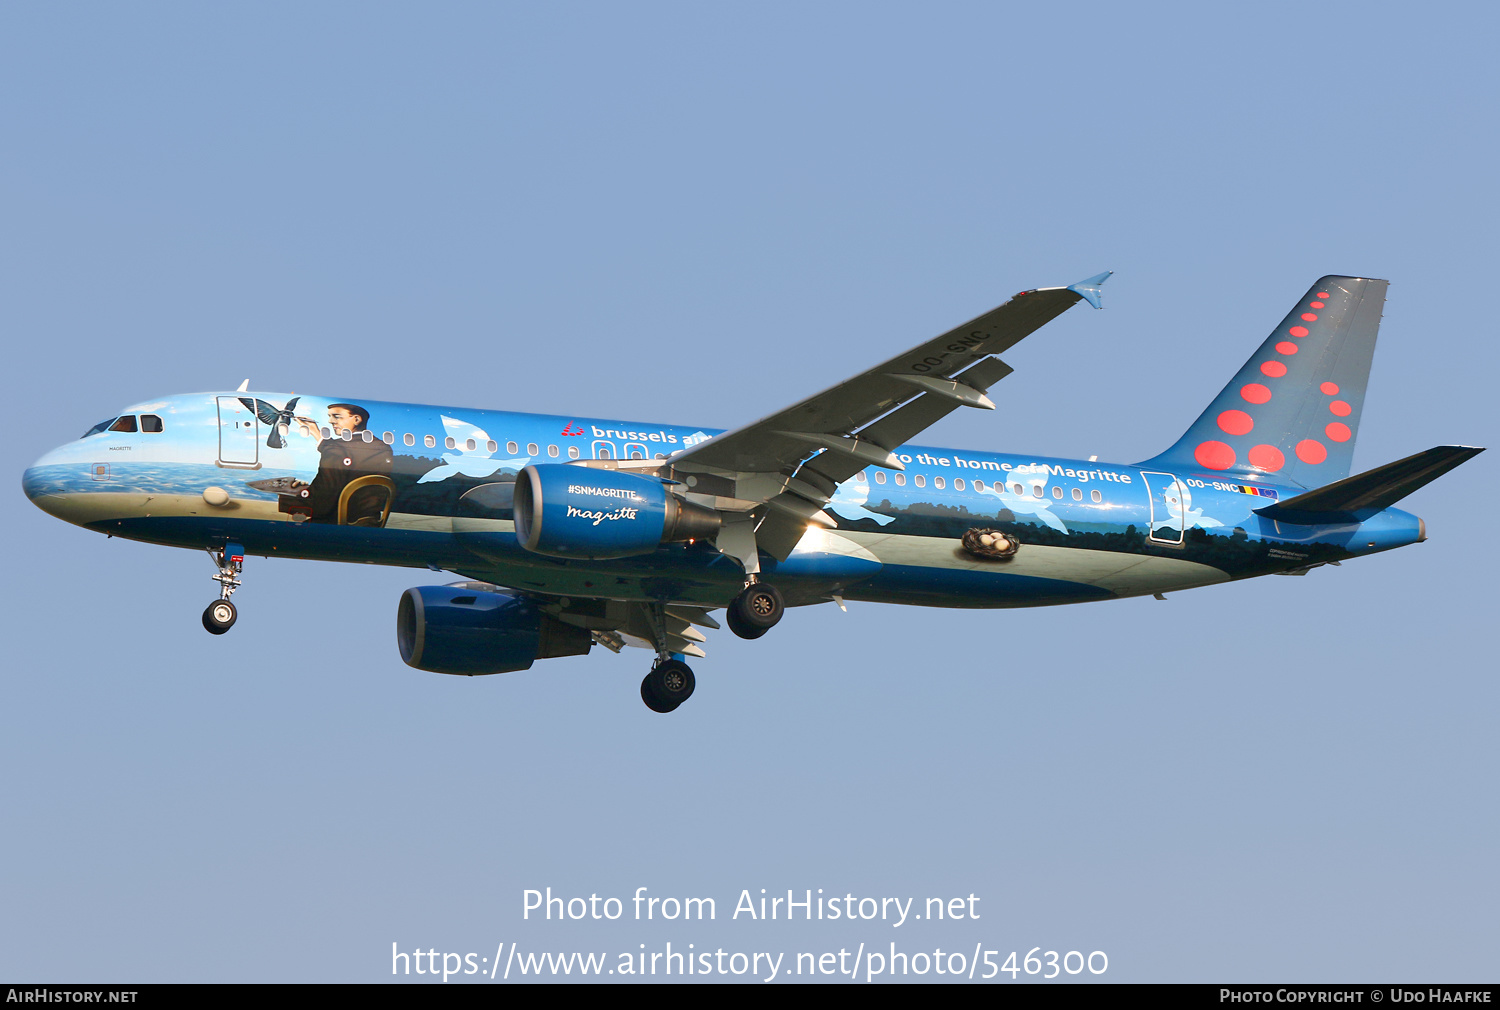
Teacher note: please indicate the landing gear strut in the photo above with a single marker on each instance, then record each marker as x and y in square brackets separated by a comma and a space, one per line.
[221, 615]
[669, 684]
[755, 611]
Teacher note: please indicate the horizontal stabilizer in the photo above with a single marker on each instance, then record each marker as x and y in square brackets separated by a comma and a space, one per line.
[1357, 498]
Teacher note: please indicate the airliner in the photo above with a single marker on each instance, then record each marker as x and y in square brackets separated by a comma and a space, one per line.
[570, 531]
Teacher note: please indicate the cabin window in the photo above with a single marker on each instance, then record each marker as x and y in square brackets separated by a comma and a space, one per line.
[939, 483]
[901, 478]
[96, 429]
[958, 483]
[921, 481]
[126, 423]
[1094, 494]
[1018, 489]
[660, 455]
[572, 452]
[979, 485]
[429, 441]
[150, 422]
[367, 436]
[1078, 494]
[880, 476]
[531, 449]
[491, 446]
[1036, 490]
[552, 451]
[450, 443]
[389, 438]
[861, 477]
[470, 445]
[409, 438]
[1056, 491]
[512, 448]
[326, 431]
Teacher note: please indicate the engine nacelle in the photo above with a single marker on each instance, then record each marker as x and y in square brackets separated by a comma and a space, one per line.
[465, 630]
[581, 512]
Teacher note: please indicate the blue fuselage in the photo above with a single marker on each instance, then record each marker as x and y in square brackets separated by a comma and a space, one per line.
[203, 470]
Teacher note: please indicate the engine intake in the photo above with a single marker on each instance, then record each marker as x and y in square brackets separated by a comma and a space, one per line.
[580, 512]
[462, 629]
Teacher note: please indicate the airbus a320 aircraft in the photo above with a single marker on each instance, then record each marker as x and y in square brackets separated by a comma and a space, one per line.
[578, 531]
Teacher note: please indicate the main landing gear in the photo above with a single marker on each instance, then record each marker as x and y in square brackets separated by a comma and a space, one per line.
[221, 615]
[755, 611]
[669, 684]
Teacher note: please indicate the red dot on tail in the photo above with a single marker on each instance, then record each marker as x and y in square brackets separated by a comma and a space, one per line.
[1274, 369]
[1267, 457]
[1287, 347]
[1214, 455]
[1322, 294]
[1315, 305]
[1298, 331]
[1309, 317]
[1340, 408]
[1311, 451]
[1330, 388]
[1338, 431]
[1236, 422]
[1255, 393]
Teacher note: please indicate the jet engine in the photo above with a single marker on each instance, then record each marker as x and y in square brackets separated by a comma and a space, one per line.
[581, 512]
[465, 629]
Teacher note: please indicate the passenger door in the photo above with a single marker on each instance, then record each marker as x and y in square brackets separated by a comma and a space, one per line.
[1167, 513]
[239, 434]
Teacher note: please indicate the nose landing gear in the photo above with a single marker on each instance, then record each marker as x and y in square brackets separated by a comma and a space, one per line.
[755, 611]
[220, 615]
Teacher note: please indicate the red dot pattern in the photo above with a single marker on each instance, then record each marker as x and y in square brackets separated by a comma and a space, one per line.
[1214, 455]
[1267, 457]
[1311, 451]
[1236, 422]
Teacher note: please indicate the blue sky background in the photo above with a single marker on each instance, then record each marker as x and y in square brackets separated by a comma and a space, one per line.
[700, 214]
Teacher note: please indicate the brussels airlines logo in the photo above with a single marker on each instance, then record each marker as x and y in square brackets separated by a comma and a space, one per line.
[569, 432]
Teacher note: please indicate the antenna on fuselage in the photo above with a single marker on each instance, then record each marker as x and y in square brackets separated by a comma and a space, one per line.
[242, 387]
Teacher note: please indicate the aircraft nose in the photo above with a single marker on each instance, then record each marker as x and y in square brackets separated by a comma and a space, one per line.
[51, 482]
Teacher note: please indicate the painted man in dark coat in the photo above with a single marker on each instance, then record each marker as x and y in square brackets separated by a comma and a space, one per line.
[352, 452]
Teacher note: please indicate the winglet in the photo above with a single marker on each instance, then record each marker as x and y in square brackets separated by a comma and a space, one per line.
[242, 387]
[1088, 290]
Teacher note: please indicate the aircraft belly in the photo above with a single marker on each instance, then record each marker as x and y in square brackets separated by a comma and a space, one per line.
[1116, 574]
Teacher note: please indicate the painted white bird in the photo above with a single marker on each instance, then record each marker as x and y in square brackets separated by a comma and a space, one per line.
[476, 462]
[849, 502]
[1027, 502]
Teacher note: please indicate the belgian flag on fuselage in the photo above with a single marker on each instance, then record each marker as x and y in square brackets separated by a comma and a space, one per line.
[1291, 413]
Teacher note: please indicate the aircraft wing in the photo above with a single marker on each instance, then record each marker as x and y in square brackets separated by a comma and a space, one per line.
[779, 472]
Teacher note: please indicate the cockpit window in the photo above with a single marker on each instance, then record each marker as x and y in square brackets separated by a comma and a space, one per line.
[96, 429]
[150, 422]
[126, 423]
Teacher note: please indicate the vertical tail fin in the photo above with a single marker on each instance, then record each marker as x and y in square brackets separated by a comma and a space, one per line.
[1291, 413]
